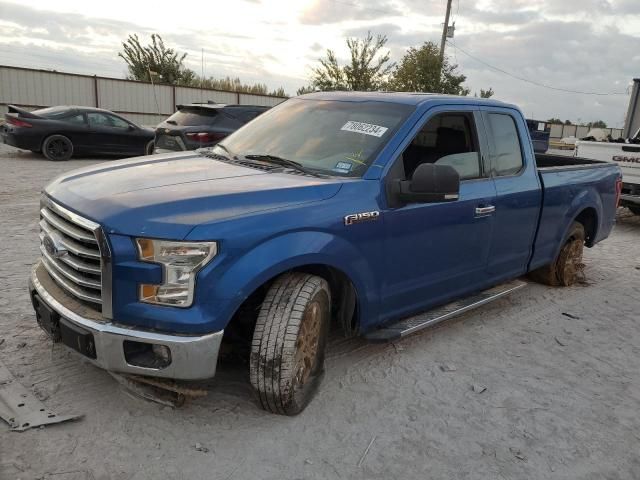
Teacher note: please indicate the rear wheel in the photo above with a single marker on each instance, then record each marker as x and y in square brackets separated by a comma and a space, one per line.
[635, 209]
[289, 340]
[57, 148]
[565, 269]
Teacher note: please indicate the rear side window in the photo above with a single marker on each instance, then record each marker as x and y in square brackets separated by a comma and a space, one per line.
[246, 115]
[76, 119]
[506, 152]
[193, 117]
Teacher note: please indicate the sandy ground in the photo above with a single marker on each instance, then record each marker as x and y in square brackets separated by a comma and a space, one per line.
[561, 369]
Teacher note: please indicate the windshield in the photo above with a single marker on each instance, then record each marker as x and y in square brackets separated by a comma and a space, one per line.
[331, 137]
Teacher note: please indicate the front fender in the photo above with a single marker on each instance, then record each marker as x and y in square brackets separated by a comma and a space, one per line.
[226, 291]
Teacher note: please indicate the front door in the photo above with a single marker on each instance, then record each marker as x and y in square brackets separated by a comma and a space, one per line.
[438, 251]
[111, 134]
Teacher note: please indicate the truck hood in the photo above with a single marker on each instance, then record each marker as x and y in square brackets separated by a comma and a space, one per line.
[166, 196]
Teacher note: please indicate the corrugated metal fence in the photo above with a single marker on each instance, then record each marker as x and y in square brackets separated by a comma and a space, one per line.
[579, 131]
[140, 102]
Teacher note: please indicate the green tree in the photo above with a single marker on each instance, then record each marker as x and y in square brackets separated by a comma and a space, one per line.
[305, 89]
[368, 69]
[155, 61]
[420, 70]
[597, 124]
[236, 85]
[555, 121]
[486, 93]
[567, 122]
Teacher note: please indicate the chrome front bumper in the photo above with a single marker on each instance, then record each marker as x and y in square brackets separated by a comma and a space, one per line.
[192, 357]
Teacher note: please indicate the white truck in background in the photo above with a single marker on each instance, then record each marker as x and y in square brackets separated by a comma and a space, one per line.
[627, 156]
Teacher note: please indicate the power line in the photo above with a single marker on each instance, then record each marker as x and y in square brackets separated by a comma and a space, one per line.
[550, 87]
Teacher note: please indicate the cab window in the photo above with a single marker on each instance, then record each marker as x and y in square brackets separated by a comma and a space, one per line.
[446, 139]
[505, 149]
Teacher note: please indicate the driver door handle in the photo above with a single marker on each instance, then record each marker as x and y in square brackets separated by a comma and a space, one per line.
[485, 211]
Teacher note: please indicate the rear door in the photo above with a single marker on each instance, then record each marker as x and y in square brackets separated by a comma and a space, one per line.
[518, 192]
[438, 251]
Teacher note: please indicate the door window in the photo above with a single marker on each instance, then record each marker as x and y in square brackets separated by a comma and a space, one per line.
[76, 119]
[506, 152]
[104, 120]
[446, 139]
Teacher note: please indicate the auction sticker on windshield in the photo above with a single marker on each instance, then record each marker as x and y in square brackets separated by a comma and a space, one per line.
[365, 128]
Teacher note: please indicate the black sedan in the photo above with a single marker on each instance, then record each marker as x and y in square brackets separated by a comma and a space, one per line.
[202, 125]
[60, 132]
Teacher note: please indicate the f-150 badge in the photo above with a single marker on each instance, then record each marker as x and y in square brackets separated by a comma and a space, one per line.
[361, 217]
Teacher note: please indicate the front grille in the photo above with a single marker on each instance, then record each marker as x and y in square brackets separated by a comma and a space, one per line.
[71, 253]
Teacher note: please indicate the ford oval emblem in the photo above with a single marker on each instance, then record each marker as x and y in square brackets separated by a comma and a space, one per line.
[53, 245]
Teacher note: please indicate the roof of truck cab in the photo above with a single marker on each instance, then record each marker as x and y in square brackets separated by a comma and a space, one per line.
[407, 98]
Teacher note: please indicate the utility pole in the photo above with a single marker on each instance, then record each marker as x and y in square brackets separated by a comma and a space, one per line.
[444, 31]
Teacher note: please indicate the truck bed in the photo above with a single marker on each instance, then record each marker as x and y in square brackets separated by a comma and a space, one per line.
[547, 161]
[572, 186]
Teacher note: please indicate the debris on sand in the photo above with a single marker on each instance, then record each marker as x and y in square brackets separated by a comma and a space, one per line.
[560, 342]
[448, 367]
[518, 454]
[201, 448]
[570, 316]
[364, 454]
[478, 388]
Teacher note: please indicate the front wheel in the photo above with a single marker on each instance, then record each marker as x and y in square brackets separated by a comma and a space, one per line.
[148, 149]
[289, 340]
[57, 148]
[565, 269]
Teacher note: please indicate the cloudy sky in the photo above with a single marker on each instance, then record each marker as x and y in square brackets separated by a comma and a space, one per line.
[580, 45]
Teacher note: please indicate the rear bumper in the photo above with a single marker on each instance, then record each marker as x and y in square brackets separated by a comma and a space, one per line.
[629, 199]
[192, 357]
[630, 194]
[24, 142]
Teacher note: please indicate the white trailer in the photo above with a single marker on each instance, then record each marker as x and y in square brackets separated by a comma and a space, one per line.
[627, 156]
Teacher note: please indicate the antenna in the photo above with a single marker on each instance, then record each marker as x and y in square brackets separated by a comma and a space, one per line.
[153, 87]
[202, 77]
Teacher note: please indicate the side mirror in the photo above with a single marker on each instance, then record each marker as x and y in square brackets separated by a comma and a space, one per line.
[131, 128]
[431, 183]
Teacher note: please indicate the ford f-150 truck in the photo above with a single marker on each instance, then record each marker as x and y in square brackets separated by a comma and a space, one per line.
[627, 156]
[378, 213]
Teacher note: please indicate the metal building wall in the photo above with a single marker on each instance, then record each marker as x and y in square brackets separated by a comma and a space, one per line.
[186, 95]
[140, 102]
[35, 88]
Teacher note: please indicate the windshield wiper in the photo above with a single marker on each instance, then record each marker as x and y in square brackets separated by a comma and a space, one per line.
[283, 162]
[225, 149]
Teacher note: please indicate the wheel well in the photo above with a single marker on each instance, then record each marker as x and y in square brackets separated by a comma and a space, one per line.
[589, 220]
[344, 306]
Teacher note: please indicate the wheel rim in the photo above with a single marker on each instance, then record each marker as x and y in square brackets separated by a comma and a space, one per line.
[57, 148]
[572, 263]
[307, 342]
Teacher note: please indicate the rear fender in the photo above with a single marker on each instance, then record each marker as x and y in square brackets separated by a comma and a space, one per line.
[584, 200]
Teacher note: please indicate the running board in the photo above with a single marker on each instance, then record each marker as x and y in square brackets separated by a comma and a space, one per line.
[411, 325]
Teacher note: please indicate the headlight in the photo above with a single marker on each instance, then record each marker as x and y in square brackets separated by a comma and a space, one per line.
[180, 263]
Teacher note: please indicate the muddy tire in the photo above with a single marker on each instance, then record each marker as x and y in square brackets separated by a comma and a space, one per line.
[289, 340]
[57, 148]
[565, 269]
[634, 209]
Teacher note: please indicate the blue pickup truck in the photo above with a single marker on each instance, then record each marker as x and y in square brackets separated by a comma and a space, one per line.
[374, 213]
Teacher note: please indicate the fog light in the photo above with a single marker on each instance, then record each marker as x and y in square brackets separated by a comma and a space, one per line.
[146, 355]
